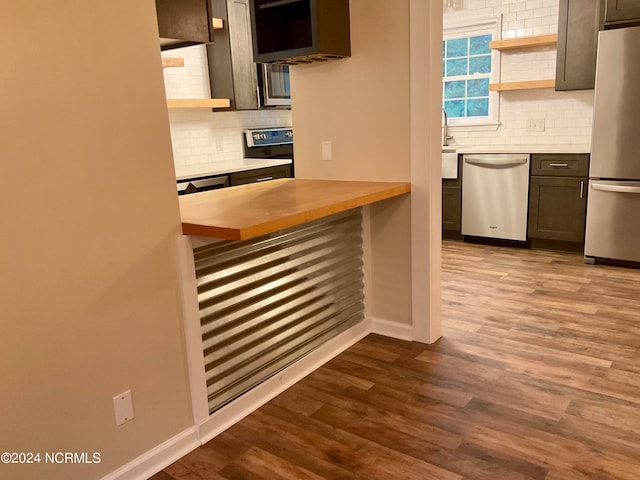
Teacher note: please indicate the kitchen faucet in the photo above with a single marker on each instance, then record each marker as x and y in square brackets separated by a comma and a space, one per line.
[445, 136]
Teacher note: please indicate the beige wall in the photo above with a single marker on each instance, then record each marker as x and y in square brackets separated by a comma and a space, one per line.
[88, 291]
[361, 104]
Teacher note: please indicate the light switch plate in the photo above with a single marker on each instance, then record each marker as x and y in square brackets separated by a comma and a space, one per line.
[123, 407]
[535, 125]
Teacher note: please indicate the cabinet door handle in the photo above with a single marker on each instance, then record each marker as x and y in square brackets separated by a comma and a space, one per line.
[581, 189]
[562, 165]
[264, 179]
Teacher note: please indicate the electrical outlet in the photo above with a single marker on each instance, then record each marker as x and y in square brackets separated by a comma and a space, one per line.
[123, 407]
[327, 153]
[535, 125]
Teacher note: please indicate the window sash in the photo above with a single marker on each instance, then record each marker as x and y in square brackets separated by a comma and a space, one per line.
[492, 26]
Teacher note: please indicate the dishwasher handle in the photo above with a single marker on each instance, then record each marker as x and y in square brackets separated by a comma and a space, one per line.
[495, 160]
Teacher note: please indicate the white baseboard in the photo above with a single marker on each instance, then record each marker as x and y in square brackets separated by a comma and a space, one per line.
[159, 457]
[401, 331]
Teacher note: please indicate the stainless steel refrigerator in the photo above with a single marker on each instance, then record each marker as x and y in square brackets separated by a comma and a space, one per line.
[613, 206]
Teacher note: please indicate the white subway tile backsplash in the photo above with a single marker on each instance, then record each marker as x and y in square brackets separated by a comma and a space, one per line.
[524, 14]
[541, 12]
[210, 137]
[568, 115]
[187, 81]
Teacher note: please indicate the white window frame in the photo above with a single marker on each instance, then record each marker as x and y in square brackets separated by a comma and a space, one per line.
[484, 26]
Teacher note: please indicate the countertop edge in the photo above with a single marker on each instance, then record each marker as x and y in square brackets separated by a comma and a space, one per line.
[394, 189]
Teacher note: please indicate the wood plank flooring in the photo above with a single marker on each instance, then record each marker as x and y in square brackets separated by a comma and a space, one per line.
[537, 377]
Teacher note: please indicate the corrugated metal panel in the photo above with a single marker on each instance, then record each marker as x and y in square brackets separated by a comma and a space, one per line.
[266, 302]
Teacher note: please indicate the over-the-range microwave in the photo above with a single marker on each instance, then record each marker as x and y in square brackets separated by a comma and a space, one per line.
[273, 85]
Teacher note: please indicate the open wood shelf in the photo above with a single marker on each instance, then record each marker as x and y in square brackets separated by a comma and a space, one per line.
[198, 103]
[519, 43]
[524, 42]
[168, 62]
[522, 85]
[218, 23]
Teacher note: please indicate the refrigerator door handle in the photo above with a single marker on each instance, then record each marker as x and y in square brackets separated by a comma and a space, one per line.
[581, 189]
[607, 187]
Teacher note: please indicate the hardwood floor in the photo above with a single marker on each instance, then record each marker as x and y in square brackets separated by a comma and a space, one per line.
[536, 377]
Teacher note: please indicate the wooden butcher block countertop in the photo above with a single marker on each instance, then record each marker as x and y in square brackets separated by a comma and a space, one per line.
[248, 211]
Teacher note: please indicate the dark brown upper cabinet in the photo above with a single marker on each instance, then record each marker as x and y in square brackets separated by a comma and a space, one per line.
[232, 73]
[622, 13]
[300, 31]
[184, 22]
[578, 24]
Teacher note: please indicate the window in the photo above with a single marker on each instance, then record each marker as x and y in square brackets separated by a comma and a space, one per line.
[468, 66]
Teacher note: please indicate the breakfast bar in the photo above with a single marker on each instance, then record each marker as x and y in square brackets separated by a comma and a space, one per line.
[248, 211]
[278, 273]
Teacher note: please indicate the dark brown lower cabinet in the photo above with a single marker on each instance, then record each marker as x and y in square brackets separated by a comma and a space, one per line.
[260, 175]
[451, 209]
[557, 212]
[452, 205]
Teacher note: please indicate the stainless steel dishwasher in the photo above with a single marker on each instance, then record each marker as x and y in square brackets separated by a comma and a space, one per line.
[495, 193]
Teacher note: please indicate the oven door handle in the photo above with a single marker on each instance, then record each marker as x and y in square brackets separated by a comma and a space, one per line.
[193, 186]
[210, 182]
